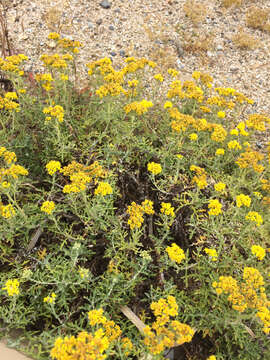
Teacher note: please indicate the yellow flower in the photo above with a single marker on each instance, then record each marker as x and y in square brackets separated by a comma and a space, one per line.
[221, 114]
[103, 189]
[12, 287]
[48, 207]
[193, 137]
[220, 152]
[234, 132]
[220, 186]
[53, 36]
[7, 211]
[175, 253]
[254, 216]
[196, 75]
[173, 72]
[53, 166]
[215, 207]
[50, 299]
[167, 209]
[147, 207]
[64, 77]
[243, 200]
[96, 317]
[258, 251]
[179, 156]
[154, 168]
[212, 253]
[234, 145]
[212, 357]
[159, 77]
[168, 105]
[136, 215]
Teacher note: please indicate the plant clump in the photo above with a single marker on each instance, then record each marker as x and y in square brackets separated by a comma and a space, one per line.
[148, 217]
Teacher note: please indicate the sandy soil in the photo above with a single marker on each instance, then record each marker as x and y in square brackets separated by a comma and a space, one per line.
[10, 354]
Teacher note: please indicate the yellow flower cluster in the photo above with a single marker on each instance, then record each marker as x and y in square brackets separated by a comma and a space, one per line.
[56, 61]
[103, 189]
[45, 80]
[220, 151]
[136, 212]
[85, 345]
[255, 217]
[175, 253]
[220, 186]
[243, 200]
[7, 103]
[12, 287]
[50, 299]
[56, 111]
[212, 253]
[80, 175]
[53, 166]
[8, 156]
[250, 158]
[48, 207]
[219, 134]
[258, 251]
[201, 178]
[257, 122]
[193, 137]
[12, 170]
[154, 168]
[214, 207]
[140, 107]
[173, 72]
[147, 206]
[159, 77]
[250, 294]
[234, 144]
[65, 43]
[11, 64]
[112, 331]
[165, 332]
[167, 209]
[192, 91]
[115, 79]
[7, 211]
[205, 78]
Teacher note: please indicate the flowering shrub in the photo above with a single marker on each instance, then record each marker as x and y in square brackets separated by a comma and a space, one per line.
[110, 201]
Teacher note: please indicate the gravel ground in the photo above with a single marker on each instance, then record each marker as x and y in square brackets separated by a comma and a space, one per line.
[118, 28]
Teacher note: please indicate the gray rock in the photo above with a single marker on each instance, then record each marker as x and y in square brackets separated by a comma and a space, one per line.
[111, 27]
[113, 53]
[99, 22]
[122, 53]
[105, 4]
[219, 48]
[90, 25]
[179, 64]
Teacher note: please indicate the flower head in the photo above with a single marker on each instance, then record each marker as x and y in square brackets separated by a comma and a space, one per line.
[175, 253]
[154, 168]
[258, 251]
[53, 166]
[12, 287]
[48, 207]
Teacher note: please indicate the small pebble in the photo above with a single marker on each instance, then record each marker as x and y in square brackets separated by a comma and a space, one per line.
[99, 22]
[111, 27]
[113, 53]
[219, 48]
[105, 4]
[122, 53]
[179, 64]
